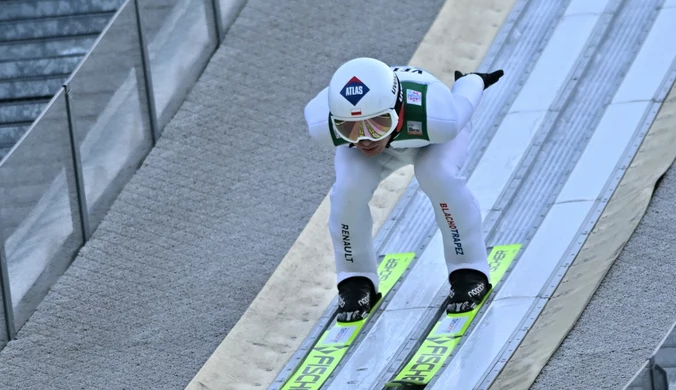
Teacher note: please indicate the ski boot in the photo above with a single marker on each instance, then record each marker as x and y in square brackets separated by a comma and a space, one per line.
[356, 297]
[468, 289]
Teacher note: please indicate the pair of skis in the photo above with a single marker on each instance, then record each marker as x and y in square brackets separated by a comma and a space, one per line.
[437, 346]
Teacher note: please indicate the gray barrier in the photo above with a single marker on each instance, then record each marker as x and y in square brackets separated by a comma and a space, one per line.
[60, 179]
[659, 369]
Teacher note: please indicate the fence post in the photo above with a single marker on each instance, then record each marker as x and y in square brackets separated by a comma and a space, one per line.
[147, 76]
[5, 289]
[658, 375]
[216, 5]
[79, 176]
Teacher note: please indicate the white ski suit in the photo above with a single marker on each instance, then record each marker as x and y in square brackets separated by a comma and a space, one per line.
[434, 138]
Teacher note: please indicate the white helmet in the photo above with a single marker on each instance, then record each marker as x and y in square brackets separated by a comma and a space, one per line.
[365, 99]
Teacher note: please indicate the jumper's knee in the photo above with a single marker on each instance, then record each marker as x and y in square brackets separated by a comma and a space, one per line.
[351, 192]
[433, 174]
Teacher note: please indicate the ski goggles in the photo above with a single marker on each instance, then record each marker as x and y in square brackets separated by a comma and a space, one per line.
[373, 129]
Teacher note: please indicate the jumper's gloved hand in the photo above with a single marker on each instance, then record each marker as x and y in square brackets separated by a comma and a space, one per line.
[488, 78]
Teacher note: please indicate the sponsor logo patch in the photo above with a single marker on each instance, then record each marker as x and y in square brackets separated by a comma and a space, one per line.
[451, 325]
[339, 335]
[413, 97]
[354, 91]
[414, 128]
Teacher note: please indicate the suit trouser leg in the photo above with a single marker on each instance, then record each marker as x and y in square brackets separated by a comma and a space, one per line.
[350, 219]
[456, 209]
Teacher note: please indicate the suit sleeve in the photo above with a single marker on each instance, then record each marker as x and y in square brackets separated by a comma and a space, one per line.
[450, 110]
[317, 118]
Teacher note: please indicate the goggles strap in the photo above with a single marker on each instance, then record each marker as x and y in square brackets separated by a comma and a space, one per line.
[399, 109]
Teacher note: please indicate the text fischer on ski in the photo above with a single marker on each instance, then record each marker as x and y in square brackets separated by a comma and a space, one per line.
[380, 118]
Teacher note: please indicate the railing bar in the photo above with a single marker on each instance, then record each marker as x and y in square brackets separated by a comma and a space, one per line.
[5, 289]
[77, 166]
[147, 76]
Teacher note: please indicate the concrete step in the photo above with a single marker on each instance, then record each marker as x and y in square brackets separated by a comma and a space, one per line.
[10, 133]
[31, 87]
[22, 9]
[21, 111]
[3, 151]
[47, 47]
[57, 26]
[38, 67]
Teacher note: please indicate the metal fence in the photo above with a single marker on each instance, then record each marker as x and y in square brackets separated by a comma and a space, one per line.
[658, 372]
[60, 179]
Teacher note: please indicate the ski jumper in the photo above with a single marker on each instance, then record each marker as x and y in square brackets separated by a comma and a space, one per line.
[435, 139]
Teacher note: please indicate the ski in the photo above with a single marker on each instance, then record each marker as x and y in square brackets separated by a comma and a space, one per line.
[324, 357]
[449, 329]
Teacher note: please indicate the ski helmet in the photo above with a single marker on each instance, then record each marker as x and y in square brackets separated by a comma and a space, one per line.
[365, 100]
